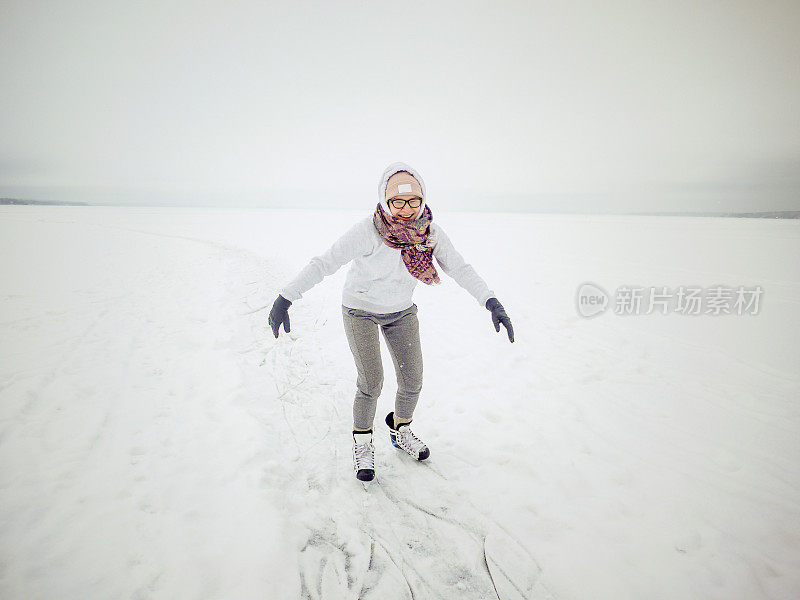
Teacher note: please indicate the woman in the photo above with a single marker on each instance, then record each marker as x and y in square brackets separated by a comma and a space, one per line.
[391, 252]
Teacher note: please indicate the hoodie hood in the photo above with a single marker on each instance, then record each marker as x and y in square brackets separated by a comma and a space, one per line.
[391, 170]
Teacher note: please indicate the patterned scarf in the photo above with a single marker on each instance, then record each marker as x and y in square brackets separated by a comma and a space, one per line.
[415, 240]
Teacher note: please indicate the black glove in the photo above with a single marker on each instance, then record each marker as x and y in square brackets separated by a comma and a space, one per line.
[499, 316]
[280, 314]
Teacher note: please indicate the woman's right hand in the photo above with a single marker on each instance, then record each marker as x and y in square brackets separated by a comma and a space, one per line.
[279, 314]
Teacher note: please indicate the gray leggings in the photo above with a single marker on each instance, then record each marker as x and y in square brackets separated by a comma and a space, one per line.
[401, 332]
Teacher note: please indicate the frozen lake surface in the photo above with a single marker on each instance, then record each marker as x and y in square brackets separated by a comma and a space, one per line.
[157, 442]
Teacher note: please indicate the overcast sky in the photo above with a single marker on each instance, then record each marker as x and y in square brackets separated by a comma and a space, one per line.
[574, 106]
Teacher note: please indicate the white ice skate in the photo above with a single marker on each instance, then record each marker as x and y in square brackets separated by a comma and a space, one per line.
[364, 456]
[404, 438]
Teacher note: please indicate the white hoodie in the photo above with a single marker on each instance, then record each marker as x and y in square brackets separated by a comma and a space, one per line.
[378, 280]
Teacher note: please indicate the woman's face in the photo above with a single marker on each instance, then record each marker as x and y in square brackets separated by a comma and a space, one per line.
[406, 213]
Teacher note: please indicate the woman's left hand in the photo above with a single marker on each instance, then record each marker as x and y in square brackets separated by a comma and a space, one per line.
[499, 316]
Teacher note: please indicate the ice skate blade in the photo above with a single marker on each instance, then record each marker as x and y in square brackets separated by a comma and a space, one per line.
[422, 455]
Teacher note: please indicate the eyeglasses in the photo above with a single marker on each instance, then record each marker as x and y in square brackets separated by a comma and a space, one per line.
[399, 204]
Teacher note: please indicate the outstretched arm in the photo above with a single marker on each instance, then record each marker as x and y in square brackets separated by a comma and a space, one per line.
[456, 267]
[354, 242]
[465, 275]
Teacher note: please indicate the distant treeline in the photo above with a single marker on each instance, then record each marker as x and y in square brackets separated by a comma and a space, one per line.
[773, 214]
[45, 202]
[778, 214]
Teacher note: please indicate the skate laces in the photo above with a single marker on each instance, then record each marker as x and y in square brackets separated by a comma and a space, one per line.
[408, 440]
[364, 455]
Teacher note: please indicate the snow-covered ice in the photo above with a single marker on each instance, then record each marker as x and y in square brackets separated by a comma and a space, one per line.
[156, 441]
